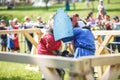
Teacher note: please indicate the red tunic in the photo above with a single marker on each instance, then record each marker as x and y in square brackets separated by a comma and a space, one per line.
[47, 44]
[16, 41]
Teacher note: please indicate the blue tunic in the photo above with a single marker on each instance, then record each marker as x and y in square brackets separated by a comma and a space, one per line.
[83, 42]
[9, 40]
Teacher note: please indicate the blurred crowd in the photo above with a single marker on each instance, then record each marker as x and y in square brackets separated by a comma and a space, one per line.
[10, 42]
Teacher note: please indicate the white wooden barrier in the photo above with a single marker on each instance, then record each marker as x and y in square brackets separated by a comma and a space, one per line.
[80, 66]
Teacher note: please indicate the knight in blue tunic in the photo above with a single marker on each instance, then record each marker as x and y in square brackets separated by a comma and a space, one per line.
[83, 38]
[84, 44]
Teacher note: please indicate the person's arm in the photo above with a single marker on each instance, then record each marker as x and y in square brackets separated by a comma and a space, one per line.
[23, 25]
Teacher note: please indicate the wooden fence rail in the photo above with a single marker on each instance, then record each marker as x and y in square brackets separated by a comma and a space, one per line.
[79, 66]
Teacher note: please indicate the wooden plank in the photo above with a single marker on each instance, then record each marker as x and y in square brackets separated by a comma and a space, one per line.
[21, 31]
[75, 76]
[48, 61]
[111, 73]
[99, 39]
[50, 73]
[33, 30]
[109, 59]
[27, 35]
[34, 51]
[107, 32]
[37, 37]
[60, 62]
[100, 50]
[74, 65]
[105, 42]
[86, 72]
[98, 45]
[99, 71]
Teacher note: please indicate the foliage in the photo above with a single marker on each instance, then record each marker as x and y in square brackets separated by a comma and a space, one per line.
[46, 2]
[6, 17]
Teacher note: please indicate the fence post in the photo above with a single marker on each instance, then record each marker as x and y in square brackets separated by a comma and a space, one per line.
[85, 72]
[111, 73]
[76, 76]
[50, 73]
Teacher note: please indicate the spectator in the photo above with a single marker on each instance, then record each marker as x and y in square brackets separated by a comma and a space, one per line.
[10, 39]
[101, 5]
[10, 5]
[39, 20]
[98, 23]
[116, 26]
[16, 40]
[116, 23]
[74, 6]
[102, 13]
[88, 22]
[101, 8]
[50, 21]
[91, 18]
[39, 23]
[3, 24]
[107, 23]
[3, 36]
[28, 25]
[87, 3]
[16, 23]
[67, 5]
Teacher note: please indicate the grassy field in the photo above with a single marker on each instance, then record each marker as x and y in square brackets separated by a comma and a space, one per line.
[21, 11]
[15, 71]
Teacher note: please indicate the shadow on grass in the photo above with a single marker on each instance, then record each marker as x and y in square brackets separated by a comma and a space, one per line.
[115, 3]
[32, 8]
[111, 10]
[25, 8]
[71, 10]
[11, 78]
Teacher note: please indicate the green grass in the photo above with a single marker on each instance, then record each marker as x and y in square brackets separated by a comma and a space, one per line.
[15, 71]
[21, 11]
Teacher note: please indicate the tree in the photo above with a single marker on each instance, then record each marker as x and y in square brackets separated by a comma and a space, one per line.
[58, 1]
[3, 2]
[108, 1]
[46, 2]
